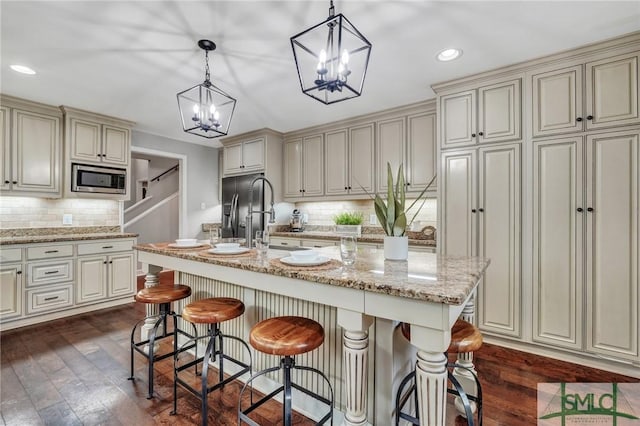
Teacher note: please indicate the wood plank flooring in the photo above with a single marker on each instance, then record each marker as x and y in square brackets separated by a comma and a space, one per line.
[74, 371]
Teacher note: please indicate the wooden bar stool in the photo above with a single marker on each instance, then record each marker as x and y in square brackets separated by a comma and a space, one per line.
[211, 311]
[286, 336]
[465, 338]
[163, 296]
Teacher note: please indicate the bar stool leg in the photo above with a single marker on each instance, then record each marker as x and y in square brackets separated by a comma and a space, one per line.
[287, 362]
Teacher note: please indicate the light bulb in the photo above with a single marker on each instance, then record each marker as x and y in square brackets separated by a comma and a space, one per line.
[212, 109]
[345, 57]
[196, 109]
[323, 56]
[216, 115]
[340, 68]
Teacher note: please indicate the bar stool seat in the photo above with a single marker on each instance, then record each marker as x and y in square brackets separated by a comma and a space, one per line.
[465, 338]
[162, 296]
[211, 311]
[286, 336]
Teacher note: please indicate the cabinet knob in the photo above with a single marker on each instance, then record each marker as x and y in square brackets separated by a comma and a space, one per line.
[589, 209]
[346, 188]
[299, 190]
[473, 135]
[18, 272]
[408, 183]
[6, 181]
[579, 209]
[579, 119]
[304, 190]
[473, 210]
[349, 187]
[15, 182]
[589, 117]
[481, 133]
[481, 210]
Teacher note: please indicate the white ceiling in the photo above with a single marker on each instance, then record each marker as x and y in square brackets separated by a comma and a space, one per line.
[130, 58]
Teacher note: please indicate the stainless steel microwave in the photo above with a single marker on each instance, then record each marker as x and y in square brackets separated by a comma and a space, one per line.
[97, 179]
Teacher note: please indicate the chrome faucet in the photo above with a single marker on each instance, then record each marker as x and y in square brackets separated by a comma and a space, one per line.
[271, 212]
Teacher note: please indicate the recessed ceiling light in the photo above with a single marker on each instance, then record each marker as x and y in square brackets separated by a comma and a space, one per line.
[22, 69]
[449, 54]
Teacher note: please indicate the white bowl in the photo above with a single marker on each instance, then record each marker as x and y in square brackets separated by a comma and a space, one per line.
[227, 246]
[307, 255]
[186, 242]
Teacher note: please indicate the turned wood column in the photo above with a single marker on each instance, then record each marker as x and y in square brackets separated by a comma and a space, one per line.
[465, 377]
[355, 364]
[152, 279]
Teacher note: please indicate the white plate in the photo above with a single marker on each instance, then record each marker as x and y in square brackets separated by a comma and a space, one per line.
[238, 250]
[174, 245]
[320, 260]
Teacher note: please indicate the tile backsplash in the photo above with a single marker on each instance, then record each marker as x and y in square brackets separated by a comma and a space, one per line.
[27, 212]
[322, 213]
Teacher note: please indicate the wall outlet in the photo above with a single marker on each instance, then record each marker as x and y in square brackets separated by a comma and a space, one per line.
[373, 219]
[67, 219]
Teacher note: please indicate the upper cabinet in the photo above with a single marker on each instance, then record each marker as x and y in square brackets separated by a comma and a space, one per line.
[31, 139]
[303, 167]
[349, 159]
[486, 114]
[97, 139]
[244, 157]
[598, 94]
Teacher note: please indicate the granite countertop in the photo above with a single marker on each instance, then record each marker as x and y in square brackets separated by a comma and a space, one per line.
[424, 276]
[365, 238]
[54, 235]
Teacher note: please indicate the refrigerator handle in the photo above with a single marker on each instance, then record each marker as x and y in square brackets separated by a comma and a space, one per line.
[234, 213]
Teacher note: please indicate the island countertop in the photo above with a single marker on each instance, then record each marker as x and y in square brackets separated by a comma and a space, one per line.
[424, 276]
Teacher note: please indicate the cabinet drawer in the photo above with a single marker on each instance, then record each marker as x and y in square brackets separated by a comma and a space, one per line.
[289, 242]
[49, 272]
[317, 243]
[47, 252]
[105, 247]
[49, 299]
[10, 255]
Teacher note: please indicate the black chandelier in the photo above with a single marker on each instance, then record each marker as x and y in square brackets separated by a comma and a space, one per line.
[332, 59]
[205, 109]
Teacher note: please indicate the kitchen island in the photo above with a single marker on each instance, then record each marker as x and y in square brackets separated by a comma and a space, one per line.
[356, 305]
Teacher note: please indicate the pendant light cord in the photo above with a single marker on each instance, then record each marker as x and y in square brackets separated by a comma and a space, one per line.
[332, 10]
[206, 69]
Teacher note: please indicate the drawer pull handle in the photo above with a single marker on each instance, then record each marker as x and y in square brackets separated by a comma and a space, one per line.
[48, 299]
[50, 251]
[51, 272]
[107, 247]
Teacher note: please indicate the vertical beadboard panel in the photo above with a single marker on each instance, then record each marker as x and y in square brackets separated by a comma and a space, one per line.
[327, 358]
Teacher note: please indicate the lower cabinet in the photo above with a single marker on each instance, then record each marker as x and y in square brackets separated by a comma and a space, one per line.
[11, 284]
[100, 277]
[49, 298]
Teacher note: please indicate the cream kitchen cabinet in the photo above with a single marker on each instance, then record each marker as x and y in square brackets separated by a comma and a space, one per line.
[244, 157]
[609, 98]
[97, 139]
[11, 284]
[481, 216]
[304, 166]
[349, 160]
[49, 281]
[586, 238]
[31, 136]
[105, 269]
[411, 141]
[486, 114]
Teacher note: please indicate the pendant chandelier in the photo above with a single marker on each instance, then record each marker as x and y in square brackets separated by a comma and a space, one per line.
[332, 59]
[206, 110]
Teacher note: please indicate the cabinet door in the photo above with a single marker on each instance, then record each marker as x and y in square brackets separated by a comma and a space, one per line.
[421, 151]
[11, 291]
[612, 91]
[253, 155]
[458, 115]
[499, 112]
[115, 145]
[232, 159]
[391, 141]
[92, 279]
[5, 149]
[557, 101]
[499, 230]
[361, 160]
[36, 150]
[313, 165]
[293, 168]
[558, 242]
[458, 202]
[336, 163]
[122, 280]
[613, 189]
[85, 140]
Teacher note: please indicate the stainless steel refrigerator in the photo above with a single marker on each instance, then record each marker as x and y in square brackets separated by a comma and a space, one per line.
[235, 205]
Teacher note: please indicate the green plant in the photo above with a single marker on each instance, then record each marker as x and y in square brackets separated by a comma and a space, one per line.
[349, 218]
[392, 215]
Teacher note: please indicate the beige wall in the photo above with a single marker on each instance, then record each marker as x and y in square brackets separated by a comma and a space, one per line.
[321, 213]
[26, 212]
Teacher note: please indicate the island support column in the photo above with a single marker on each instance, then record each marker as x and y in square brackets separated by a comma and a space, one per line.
[355, 364]
[464, 376]
[152, 279]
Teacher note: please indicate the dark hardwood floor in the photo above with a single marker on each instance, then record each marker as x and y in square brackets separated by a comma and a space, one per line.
[74, 371]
